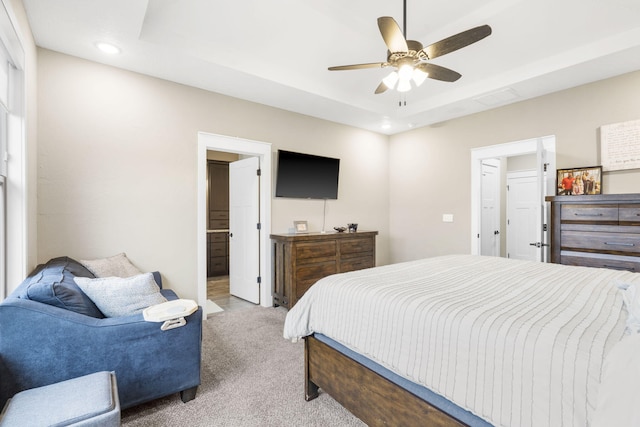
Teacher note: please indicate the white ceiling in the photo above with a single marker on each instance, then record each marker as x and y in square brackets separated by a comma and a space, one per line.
[276, 52]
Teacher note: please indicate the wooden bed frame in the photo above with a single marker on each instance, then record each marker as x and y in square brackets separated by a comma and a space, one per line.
[366, 394]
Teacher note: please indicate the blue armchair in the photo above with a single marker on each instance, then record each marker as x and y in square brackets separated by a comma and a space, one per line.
[41, 343]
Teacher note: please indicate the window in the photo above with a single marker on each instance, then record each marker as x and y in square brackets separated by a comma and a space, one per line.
[4, 114]
[13, 169]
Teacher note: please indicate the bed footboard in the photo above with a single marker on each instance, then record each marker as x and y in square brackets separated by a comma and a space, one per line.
[369, 396]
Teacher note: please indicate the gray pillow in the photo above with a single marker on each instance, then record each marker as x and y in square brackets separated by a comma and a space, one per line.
[114, 266]
[122, 296]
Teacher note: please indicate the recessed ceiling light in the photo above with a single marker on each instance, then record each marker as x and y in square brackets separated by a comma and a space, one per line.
[386, 126]
[108, 48]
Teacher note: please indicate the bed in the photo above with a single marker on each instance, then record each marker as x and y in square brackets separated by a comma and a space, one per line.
[465, 340]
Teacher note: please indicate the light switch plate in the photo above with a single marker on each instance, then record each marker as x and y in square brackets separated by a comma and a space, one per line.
[447, 217]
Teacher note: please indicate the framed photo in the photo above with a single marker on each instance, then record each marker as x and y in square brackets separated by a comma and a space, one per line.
[300, 226]
[579, 181]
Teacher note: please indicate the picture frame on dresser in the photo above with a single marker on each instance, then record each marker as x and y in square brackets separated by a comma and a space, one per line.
[579, 181]
[300, 227]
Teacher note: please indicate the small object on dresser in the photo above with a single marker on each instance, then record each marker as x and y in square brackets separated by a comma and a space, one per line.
[300, 226]
[339, 229]
[352, 228]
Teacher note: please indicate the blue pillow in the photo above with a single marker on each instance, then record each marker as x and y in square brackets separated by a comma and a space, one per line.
[52, 283]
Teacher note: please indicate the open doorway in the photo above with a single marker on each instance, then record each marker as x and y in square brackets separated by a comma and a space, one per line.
[537, 157]
[243, 148]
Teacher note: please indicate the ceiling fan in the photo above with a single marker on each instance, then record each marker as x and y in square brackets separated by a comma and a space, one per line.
[411, 60]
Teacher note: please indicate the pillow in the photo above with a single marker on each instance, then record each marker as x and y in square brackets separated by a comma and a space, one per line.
[631, 298]
[122, 296]
[115, 266]
[53, 283]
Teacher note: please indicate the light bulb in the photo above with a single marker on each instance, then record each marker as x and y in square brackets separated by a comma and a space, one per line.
[404, 85]
[419, 76]
[391, 80]
[405, 72]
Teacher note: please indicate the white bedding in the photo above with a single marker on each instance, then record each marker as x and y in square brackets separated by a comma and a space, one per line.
[517, 343]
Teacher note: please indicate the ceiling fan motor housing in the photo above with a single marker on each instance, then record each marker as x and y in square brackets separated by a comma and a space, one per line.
[414, 50]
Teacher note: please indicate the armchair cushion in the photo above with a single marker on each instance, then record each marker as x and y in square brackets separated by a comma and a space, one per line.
[118, 296]
[52, 283]
[114, 266]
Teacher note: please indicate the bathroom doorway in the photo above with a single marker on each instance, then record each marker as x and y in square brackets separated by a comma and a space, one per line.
[242, 149]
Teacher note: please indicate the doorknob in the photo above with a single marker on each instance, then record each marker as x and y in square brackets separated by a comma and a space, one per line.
[230, 234]
[496, 232]
[538, 244]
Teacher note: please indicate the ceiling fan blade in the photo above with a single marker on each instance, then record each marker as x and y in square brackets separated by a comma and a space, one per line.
[392, 35]
[381, 88]
[460, 40]
[359, 66]
[439, 73]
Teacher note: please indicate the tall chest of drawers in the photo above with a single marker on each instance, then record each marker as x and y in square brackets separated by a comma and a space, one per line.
[300, 260]
[596, 230]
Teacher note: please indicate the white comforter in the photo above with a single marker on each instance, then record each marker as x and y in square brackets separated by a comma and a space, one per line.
[517, 343]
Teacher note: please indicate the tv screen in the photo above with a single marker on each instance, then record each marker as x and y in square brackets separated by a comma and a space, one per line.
[305, 176]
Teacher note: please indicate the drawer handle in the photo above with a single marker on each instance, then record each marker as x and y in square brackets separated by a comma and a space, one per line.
[619, 244]
[584, 214]
[615, 267]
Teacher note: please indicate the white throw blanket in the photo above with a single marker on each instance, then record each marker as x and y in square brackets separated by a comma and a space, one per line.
[517, 343]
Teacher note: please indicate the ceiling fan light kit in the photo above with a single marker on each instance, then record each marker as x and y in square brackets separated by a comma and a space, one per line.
[412, 61]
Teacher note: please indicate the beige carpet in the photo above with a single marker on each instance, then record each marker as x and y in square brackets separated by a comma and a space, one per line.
[251, 376]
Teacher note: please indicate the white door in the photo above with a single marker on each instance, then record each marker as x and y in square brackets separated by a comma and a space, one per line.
[522, 215]
[490, 214]
[244, 231]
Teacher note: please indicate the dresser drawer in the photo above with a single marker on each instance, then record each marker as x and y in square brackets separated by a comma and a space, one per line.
[218, 249]
[599, 241]
[583, 213]
[219, 224]
[629, 214]
[219, 214]
[356, 247]
[614, 262]
[315, 250]
[218, 265]
[353, 264]
[218, 237]
[309, 274]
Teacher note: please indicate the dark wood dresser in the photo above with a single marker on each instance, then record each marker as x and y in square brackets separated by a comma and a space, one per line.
[596, 230]
[300, 260]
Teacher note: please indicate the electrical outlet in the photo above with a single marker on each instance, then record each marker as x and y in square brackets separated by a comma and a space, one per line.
[447, 217]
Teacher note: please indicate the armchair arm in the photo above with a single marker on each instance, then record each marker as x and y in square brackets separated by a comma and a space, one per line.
[42, 344]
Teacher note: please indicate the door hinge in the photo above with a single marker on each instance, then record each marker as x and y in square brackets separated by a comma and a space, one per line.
[544, 166]
[259, 226]
[507, 188]
[259, 280]
[259, 172]
[544, 227]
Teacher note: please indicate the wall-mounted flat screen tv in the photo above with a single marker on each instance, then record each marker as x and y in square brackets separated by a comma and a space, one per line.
[305, 176]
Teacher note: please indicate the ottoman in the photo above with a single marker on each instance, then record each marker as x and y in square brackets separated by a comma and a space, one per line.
[91, 400]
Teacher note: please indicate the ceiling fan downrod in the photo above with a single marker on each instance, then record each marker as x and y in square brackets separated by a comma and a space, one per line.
[404, 17]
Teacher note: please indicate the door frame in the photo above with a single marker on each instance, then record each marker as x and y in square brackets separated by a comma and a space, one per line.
[509, 149]
[228, 144]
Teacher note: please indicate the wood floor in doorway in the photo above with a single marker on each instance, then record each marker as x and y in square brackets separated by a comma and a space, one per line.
[218, 292]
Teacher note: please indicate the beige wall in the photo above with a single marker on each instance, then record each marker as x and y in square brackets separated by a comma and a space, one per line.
[430, 167]
[117, 165]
